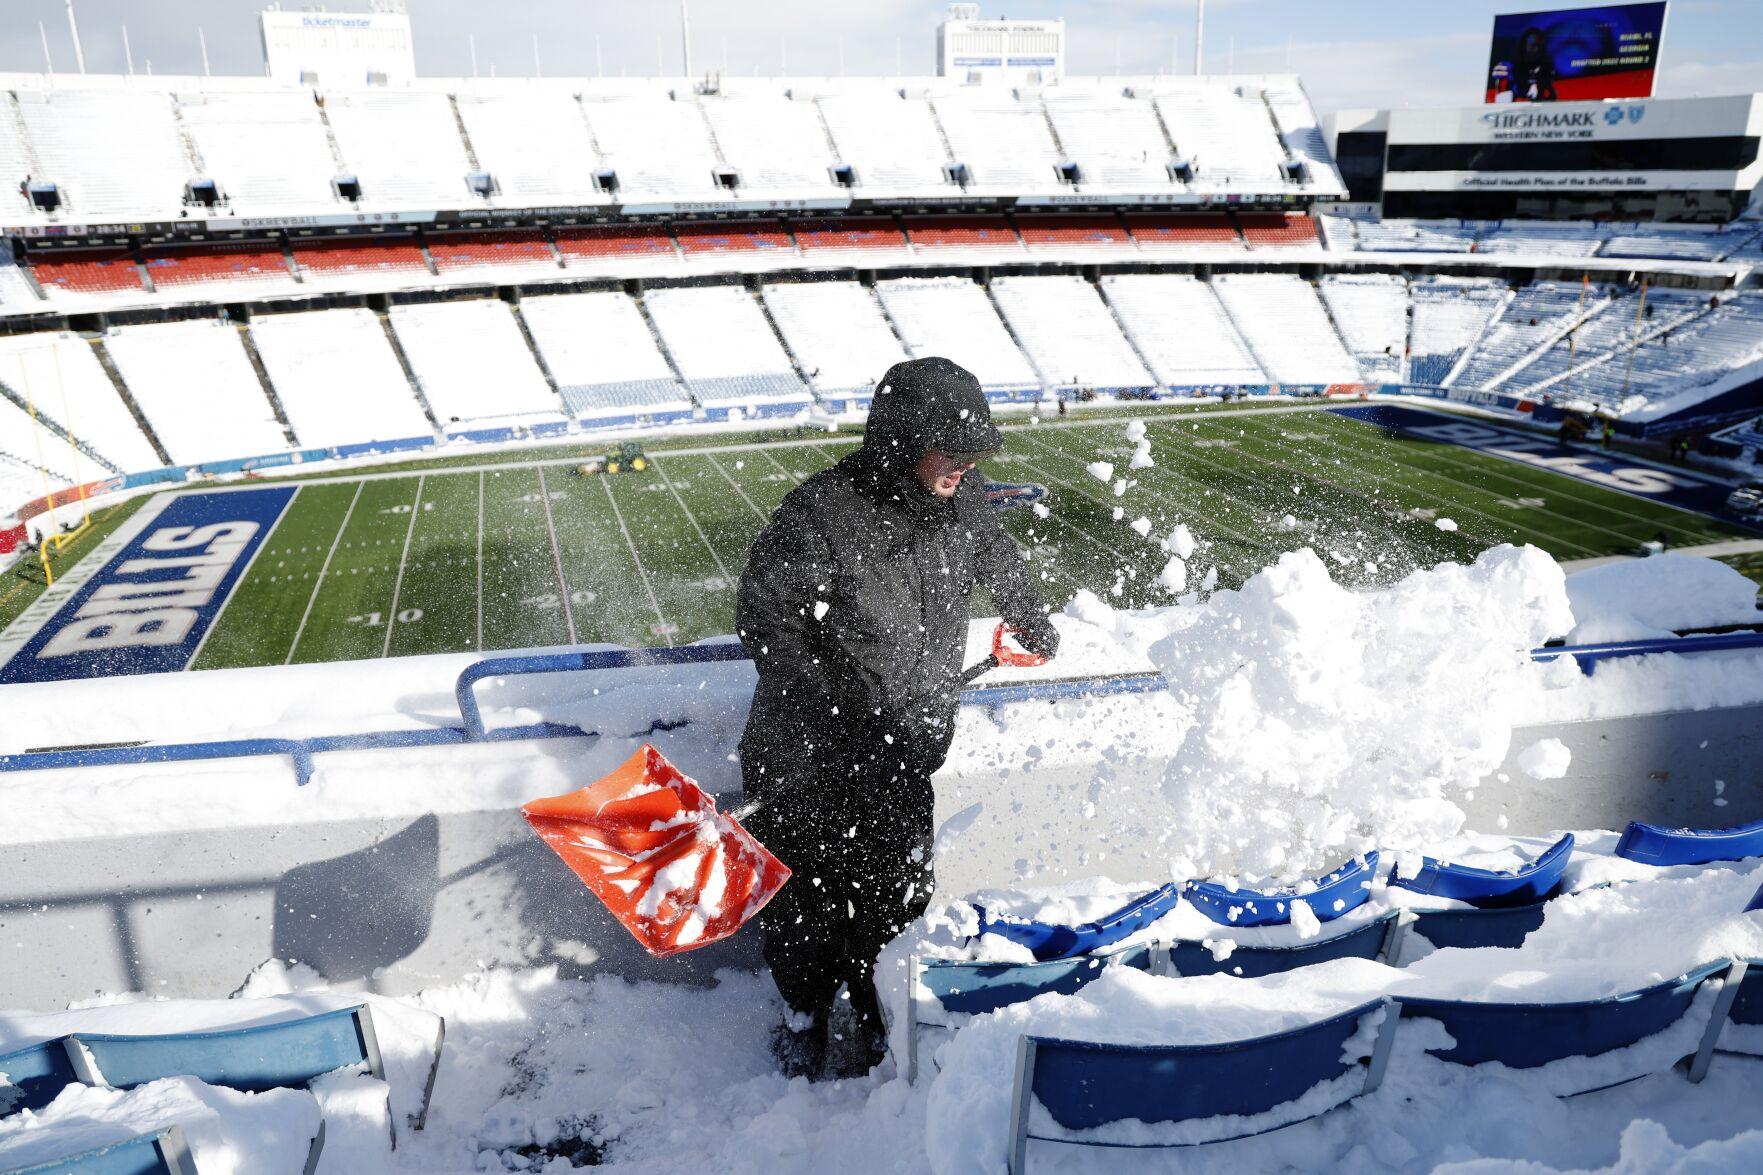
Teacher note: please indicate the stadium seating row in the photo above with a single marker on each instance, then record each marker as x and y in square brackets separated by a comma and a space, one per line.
[121, 149]
[240, 270]
[137, 396]
[1737, 241]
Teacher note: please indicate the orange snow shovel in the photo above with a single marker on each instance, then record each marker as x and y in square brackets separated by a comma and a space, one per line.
[651, 845]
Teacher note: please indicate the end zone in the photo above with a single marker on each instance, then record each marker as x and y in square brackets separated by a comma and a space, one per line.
[160, 582]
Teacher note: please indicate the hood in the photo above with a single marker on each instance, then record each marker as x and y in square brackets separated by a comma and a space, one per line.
[926, 404]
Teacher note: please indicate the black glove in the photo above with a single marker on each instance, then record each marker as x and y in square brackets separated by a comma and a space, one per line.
[1038, 635]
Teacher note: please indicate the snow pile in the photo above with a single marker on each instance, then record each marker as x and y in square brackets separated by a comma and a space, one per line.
[1646, 1147]
[1638, 599]
[1323, 722]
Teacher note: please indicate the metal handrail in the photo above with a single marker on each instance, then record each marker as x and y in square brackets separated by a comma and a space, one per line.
[472, 729]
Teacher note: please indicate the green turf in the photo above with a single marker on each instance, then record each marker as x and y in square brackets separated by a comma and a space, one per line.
[520, 552]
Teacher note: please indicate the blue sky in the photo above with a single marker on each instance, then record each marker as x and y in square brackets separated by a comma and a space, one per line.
[1349, 52]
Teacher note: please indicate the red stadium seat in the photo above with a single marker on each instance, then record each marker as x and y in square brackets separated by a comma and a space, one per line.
[471, 250]
[254, 261]
[624, 240]
[1101, 229]
[1278, 228]
[732, 236]
[87, 271]
[931, 232]
[369, 255]
[855, 233]
[1152, 229]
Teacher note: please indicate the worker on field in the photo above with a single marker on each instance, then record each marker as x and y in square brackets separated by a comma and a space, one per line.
[854, 608]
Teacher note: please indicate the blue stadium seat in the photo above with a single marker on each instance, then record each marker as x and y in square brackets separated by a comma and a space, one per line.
[35, 1074]
[1377, 939]
[1490, 889]
[1747, 1004]
[1469, 929]
[1653, 845]
[969, 989]
[1529, 1035]
[161, 1153]
[1085, 1085]
[1334, 895]
[266, 1056]
[1052, 941]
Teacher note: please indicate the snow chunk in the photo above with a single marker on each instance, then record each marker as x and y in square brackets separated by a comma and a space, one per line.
[820, 609]
[1119, 486]
[1041, 510]
[1143, 526]
[1445, 524]
[1304, 919]
[1174, 576]
[1180, 542]
[1545, 759]
[1100, 470]
[1135, 431]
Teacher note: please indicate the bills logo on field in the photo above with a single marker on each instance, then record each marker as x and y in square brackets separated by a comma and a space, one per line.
[1610, 470]
[1006, 495]
[147, 610]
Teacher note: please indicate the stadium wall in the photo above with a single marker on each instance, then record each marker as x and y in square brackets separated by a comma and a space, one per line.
[395, 870]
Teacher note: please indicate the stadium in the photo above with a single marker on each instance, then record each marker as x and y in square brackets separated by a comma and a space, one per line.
[382, 452]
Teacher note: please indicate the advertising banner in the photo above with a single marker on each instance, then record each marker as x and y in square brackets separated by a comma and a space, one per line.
[1576, 54]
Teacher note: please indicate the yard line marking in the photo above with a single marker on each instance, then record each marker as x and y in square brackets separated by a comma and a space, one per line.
[557, 557]
[691, 518]
[480, 561]
[244, 576]
[736, 486]
[313, 598]
[643, 575]
[780, 468]
[398, 584]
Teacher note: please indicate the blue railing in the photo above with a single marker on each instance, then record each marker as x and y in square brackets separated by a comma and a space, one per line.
[473, 730]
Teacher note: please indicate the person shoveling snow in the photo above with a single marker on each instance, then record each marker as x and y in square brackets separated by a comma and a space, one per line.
[854, 608]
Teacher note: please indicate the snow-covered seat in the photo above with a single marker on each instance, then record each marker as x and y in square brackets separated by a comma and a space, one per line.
[1527, 1035]
[1653, 845]
[280, 1054]
[1534, 882]
[162, 1152]
[1067, 1090]
[1379, 938]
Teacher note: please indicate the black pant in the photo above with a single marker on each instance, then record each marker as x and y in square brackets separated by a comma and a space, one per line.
[851, 815]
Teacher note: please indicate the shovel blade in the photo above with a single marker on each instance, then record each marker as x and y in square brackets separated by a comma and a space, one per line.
[650, 844]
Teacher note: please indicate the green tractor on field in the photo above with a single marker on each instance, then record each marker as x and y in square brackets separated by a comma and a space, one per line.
[627, 458]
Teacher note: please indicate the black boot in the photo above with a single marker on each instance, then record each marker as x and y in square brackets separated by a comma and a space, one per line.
[855, 1042]
[800, 1051]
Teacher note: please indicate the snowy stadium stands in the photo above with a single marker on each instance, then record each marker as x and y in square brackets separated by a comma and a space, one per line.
[61, 375]
[1181, 329]
[196, 387]
[268, 149]
[1004, 142]
[777, 144]
[1542, 312]
[1672, 363]
[723, 345]
[1371, 311]
[837, 332]
[952, 317]
[890, 139]
[473, 365]
[1224, 132]
[656, 146]
[1286, 327]
[115, 153]
[602, 355]
[337, 378]
[33, 445]
[1449, 315]
[1621, 325]
[1115, 140]
[1070, 334]
[534, 141]
[403, 146]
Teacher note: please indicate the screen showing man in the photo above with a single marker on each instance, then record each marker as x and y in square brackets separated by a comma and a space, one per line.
[1578, 54]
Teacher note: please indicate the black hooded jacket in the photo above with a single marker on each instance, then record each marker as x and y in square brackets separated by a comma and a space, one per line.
[854, 602]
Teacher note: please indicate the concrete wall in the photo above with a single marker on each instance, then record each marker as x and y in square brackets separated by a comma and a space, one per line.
[397, 904]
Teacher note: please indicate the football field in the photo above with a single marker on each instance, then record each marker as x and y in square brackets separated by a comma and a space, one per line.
[513, 552]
